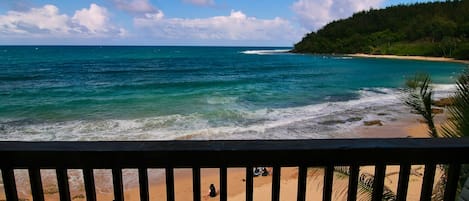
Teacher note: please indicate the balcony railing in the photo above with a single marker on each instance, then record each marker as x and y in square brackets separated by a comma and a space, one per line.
[169, 155]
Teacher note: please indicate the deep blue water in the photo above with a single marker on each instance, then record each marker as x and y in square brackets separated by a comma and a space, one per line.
[119, 93]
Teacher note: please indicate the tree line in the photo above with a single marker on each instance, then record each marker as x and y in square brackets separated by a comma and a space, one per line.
[421, 29]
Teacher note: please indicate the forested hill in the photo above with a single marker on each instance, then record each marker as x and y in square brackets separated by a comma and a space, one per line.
[424, 29]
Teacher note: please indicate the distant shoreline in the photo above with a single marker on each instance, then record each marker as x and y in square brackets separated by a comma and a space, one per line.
[419, 58]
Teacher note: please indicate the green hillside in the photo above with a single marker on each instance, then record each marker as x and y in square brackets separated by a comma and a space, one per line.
[425, 29]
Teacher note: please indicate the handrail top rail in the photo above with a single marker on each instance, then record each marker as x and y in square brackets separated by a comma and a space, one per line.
[238, 145]
[236, 153]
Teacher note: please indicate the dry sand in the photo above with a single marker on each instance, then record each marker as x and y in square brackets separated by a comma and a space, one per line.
[409, 127]
[421, 58]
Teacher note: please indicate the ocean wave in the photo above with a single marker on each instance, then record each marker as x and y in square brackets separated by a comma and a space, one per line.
[265, 52]
[369, 92]
[444, 90]
[444, 87]
[324, 120]
[233, 122]
[342, 57]
[220, 100]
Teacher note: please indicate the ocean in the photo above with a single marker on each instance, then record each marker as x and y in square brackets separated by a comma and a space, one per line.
[87, 93]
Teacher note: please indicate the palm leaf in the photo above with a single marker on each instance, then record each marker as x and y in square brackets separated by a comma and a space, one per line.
[419, 98]
[439, 189]
[365, 183]
[457, 124]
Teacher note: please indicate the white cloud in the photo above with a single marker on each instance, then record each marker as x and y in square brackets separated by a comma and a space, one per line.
[135, 6]
[95, 19]
[47, 21]
[200, 2]
[151, 17]
[313, 14]
[234, 27]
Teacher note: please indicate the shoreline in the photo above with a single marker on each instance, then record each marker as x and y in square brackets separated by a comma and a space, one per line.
[407, 126]
[418, 58]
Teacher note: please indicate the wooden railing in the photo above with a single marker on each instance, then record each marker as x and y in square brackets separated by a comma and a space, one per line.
[142, 155]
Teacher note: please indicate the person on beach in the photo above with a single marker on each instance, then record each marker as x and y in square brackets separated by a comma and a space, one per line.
[256, 171]
[265, 172]
[212, 192]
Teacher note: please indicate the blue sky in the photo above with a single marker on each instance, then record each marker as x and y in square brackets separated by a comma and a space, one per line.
[171, 22]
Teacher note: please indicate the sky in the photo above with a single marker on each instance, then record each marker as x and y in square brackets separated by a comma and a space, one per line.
[172, 22]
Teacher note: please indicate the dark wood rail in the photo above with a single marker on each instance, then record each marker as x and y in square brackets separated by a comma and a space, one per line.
[142, 155]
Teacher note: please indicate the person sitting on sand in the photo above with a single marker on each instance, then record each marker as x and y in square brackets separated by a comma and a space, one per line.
[212, 192]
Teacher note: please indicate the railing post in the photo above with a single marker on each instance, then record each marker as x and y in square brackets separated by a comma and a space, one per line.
[328, 179]
[276, 170]
[223, 184]
[117, 183]
[170, 184]
[90, 189]
[249, 183]
[353, 182]
[452, 181]
[427, 183]
[196, 183]
[36, 184]
[9, 184]
[62, 182]
[143, 184]
[403, 183]
[378, 182]
[302, 176]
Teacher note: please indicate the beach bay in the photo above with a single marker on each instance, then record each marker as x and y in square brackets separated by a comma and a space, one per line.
[167, 93]
[203, 93]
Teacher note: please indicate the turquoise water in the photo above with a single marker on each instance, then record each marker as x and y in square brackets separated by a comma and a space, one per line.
[151, 93]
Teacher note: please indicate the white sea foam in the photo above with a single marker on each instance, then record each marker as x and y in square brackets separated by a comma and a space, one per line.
[444, 87]
[234, 122]
[218, 100]
[265, 52]
[342, 57]
[444, 90]
[249, 124]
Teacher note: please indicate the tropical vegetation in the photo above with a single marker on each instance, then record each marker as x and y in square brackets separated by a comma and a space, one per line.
[423, 29]
[419, 98]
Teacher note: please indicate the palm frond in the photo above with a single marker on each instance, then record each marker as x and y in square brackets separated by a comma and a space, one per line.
[365, 183]
[457, 124]
[439, 189]
[419, 98]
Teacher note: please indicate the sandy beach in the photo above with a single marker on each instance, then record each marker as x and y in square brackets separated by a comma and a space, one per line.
[421, 58]
[408, 127]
